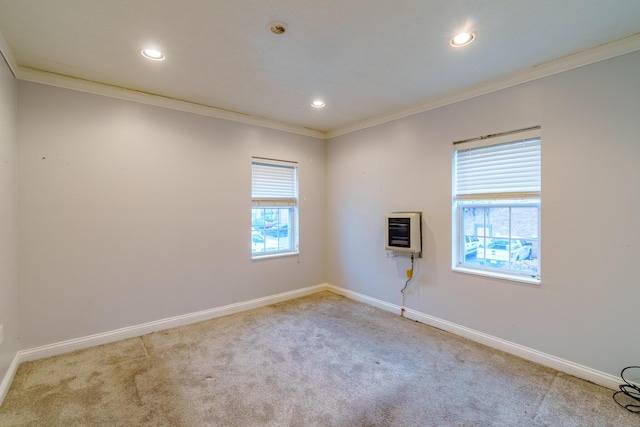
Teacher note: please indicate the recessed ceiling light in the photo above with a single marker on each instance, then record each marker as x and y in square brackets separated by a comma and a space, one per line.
[462, 39]
[318, 103]
[152, 54]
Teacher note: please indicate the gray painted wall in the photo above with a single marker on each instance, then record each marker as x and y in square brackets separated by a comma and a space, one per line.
[8, 216]
[586, 308]
[131, 213]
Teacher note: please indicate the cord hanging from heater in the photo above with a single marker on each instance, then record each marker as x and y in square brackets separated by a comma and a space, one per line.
[406, 285]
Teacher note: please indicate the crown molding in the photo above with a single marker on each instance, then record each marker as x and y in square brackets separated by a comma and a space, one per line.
[6, 53]
[566, 63]
[569, 62]
[88, 86]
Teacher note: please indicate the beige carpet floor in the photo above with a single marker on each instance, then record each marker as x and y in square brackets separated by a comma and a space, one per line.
[322, 360]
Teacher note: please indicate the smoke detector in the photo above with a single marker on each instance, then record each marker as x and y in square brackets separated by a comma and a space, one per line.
[278, 27]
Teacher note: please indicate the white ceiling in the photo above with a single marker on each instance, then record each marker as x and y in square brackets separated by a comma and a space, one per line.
[370, 60]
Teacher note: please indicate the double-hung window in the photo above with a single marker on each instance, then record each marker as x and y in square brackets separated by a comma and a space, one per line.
[496, 197]
[274, 195]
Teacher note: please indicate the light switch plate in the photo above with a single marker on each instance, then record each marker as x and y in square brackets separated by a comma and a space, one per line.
[1, 334]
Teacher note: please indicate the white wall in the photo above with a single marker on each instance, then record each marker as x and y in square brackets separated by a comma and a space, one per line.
[8, 217]
[131, 213]
[586, 309]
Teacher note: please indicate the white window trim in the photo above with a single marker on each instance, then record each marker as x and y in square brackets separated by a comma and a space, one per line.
[456, 249]
[496, 275]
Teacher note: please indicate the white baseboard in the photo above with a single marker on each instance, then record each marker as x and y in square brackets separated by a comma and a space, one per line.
[55, 349]
[159, 325]
[562, 365]
[145, 328]
[8, 377]
[365, 299]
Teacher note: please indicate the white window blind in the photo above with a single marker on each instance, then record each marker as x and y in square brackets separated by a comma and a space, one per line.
[510, 170]
[273, 184]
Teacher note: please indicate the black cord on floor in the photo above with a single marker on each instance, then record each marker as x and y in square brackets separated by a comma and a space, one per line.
[630, 390]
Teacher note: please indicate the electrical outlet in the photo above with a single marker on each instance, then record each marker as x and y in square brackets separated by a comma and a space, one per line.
[1, 334]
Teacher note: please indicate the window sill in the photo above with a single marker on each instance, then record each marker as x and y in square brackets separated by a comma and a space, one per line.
[509, 277]
[257, 257]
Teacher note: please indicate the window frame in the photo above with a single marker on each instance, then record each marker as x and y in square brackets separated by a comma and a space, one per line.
[491, 199]
[275, 198]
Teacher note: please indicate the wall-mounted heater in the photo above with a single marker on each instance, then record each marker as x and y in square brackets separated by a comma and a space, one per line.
[404, 232]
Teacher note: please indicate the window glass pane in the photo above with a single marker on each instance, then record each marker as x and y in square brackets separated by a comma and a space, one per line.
[502, 237]
[271, 229]
[471, 217]
[524, 222]
[497, 222]
[472, 230]
[524, 228]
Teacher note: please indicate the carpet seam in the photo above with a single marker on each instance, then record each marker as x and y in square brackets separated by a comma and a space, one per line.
[144, 347]
[544, 398]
